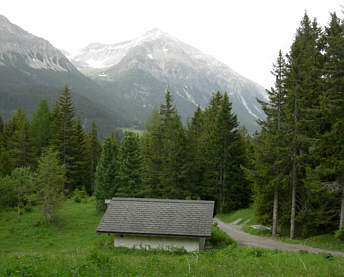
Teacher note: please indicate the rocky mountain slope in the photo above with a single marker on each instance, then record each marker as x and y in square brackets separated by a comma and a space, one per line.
[118, 85]
[141, 69]
[31, 68]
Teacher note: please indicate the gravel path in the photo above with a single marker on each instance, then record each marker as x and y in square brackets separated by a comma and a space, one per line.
[244, 239]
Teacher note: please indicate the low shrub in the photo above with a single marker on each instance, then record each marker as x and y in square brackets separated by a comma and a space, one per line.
[219, 238]
[255, 252]
[98, 258]
[79, 195]
[340, 234]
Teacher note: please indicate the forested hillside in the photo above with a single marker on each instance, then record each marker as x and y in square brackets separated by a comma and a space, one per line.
[298, 180]
[52, 156]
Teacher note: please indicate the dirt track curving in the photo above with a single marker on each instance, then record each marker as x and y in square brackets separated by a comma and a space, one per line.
[244, 239]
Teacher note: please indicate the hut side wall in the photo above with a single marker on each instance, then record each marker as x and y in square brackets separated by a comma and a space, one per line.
[157, 242]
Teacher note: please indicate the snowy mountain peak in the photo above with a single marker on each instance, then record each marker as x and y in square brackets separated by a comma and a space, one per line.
[156, 59]
[153, 34]
[154, 31]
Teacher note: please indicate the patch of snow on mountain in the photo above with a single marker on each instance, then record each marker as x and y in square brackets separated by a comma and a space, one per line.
[190, 97]
[247, 108]
[150, 56]
[256, 108]
[97, 55]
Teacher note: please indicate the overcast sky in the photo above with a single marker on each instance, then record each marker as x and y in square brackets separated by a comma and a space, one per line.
[246, 35]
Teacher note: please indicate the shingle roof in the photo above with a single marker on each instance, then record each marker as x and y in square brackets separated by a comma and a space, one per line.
[190, 218]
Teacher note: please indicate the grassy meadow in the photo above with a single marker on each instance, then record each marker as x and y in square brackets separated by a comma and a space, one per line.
[72, 248]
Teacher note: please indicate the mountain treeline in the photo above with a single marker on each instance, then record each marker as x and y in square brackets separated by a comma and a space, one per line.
[298, 180]
[205, 160]
[51, 156]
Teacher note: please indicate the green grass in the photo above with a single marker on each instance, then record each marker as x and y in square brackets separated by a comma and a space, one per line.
[75, 229]
[219, 238]
[219, 262]
[72, 248]
[327, 241]
[245, 215]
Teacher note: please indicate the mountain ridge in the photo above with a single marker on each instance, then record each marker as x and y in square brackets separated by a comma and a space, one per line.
[191, 75]
[31, 68]
[121, 81]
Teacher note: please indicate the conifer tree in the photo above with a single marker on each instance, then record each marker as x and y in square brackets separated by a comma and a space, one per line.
[332, 143]
[231, 157]
[7, 133]
[273, 159]
[303, 83]
[116, 141]
[1, 126]
[50, 181]
[222, 156]
[20, 146]
[41, 126]
[194, 155]
[62, 141]
[209, 148]
[94, 149]
[107, 170]
[129, 179]
[80, 174]
[152, 155]
[173, 174]
[5, 162]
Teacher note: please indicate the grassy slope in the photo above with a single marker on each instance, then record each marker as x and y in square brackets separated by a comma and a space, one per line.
[72, 248]
[326, 241]
[76, 229]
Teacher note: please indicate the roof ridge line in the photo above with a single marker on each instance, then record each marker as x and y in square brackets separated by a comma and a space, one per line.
[162, 200]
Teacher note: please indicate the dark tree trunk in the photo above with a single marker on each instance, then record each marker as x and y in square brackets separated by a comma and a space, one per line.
[275, 213]
[341, 222]
[293, 201]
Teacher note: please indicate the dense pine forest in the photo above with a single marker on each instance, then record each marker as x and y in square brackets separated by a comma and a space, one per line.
[292, 170]
[52, 156]
[298, 180]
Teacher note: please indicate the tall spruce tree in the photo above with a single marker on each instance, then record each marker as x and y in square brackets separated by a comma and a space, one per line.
[41, 126]
[151, 145]
[5, 162]
[1, 126]
[209, 149]
[273, 127]
[20, 146]
[80, 174]
[107, 171]
[173, 174]
[129, 179]
[233, 186]
[194, 155]
[332, 146]
[7, 132]
[223, 156]
[62, 141]
[303, 84]
[94, 149]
